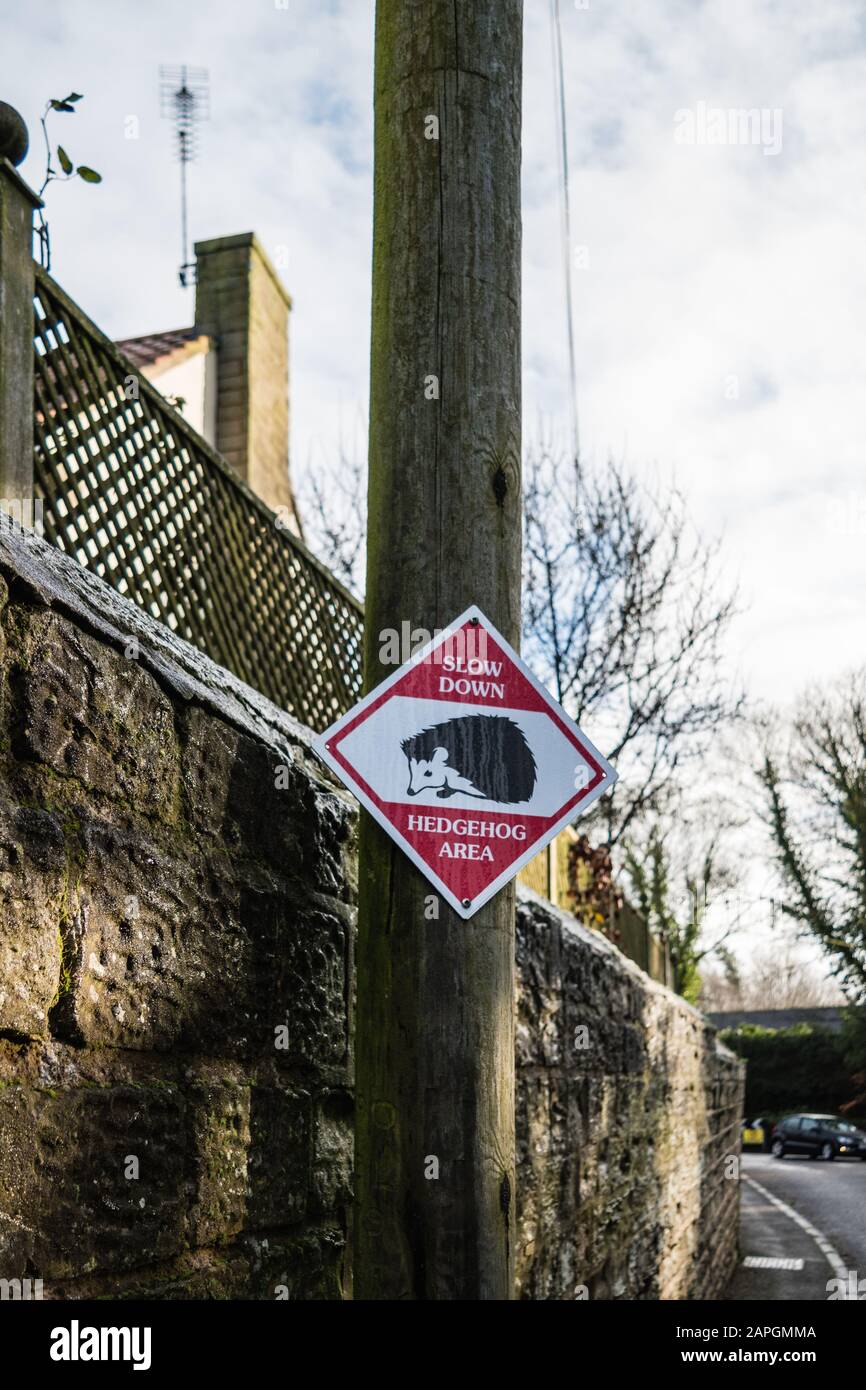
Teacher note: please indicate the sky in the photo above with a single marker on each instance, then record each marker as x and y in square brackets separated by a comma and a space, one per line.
[719, 288]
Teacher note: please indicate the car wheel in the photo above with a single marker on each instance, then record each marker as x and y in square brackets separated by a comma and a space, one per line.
[778, 1149]
[828, 1153]
[815, 1154]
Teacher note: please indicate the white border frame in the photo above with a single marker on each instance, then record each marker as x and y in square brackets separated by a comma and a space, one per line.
[608, 779]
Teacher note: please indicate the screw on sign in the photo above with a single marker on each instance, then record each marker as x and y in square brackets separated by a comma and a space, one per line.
[466, 761]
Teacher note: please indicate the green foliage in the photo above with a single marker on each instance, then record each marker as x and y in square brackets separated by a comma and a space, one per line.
[67, 171]
[854, 1039]
[650, 875]
[799, 1068]
[815, 797]
[64, 103]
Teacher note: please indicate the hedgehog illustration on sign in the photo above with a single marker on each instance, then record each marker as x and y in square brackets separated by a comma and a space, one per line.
[481, 755]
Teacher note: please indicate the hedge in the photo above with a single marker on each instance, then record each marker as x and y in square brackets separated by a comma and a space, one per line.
[803, 1068]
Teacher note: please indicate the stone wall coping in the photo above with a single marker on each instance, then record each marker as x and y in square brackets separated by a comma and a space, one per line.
[603, 947]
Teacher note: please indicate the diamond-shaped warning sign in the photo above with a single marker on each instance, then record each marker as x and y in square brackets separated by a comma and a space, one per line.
[466, 761]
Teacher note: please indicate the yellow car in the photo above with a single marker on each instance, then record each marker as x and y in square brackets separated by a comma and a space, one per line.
[754, 1134]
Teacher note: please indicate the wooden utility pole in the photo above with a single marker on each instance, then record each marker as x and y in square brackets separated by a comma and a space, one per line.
[435, 1020]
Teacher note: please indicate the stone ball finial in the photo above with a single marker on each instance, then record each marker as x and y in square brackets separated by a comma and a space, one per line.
[14, 139]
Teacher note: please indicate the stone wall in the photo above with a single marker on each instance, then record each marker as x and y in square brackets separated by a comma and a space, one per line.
[176, 888]
[176, 916]
[628, 1119]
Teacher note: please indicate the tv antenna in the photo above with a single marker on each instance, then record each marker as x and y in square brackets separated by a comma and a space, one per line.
[185, 100]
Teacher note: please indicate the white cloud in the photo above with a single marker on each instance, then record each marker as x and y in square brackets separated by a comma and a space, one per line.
[705, 263]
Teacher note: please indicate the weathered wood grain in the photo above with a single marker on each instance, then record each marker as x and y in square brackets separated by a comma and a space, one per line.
[435, 1049]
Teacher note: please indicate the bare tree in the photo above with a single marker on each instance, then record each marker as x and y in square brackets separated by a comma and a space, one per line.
[675, 900]
[625, 617]
[814, 781]
[333, 502]
[778, 976]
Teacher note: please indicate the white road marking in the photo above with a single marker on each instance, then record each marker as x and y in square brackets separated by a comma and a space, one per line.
[771, 1262]
[830, 1253]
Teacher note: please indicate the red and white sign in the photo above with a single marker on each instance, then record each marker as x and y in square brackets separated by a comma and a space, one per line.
[466, 761]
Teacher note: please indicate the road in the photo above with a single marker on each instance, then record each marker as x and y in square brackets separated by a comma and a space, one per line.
[829, 1199]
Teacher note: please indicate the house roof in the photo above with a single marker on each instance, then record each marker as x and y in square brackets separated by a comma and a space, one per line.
[154, 353]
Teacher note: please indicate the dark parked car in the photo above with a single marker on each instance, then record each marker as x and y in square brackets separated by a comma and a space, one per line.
[820, 1136]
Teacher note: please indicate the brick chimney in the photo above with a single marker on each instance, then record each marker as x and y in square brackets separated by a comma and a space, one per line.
[243, 307]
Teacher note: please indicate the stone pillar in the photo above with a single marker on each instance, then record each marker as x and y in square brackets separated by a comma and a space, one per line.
[17, 204]
[243, 307]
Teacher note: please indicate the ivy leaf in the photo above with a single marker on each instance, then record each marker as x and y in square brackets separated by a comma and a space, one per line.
[65, 161]
[89, 175]
[60, 105]
[73, 96]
